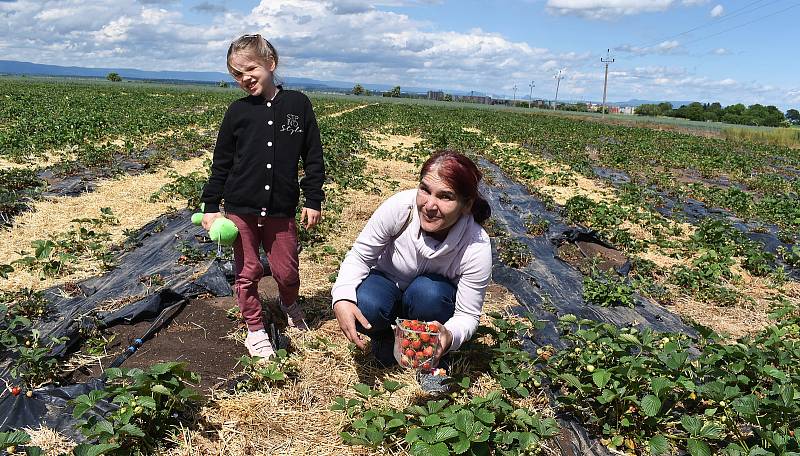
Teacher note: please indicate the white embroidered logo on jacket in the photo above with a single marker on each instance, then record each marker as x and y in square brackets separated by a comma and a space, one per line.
[292, 125]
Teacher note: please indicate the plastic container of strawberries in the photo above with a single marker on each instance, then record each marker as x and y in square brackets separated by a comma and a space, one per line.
[415, 343]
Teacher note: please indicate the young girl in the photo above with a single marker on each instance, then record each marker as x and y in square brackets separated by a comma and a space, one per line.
[254, 173]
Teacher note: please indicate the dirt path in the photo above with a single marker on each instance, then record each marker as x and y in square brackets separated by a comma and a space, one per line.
[337, 114]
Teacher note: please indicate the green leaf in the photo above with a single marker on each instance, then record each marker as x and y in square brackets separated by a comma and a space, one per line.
[711, 430]
[659, 384]
[691, 424]
[163, 368]
[600, 377]
[363, 390]
[444, 433]
[80, 409]
[391, 385]
[132, 430]
[86, 449]
[161, 389]
[14, 438]
[659, 446]
[651, 405]
[424, 449]
[461, 446]
[432, 420]
[33, 451]
[630, 338]
[572, 381]
[465, 422]
[485, 416]
[103, 427]
[698, 448]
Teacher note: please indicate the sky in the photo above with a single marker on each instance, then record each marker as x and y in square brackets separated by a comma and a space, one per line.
[704, 50]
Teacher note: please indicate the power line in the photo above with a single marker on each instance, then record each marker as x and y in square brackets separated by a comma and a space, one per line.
[733, 14]
[742, 25]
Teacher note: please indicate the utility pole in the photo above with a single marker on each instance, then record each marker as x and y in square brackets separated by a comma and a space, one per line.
[530, 97]
[515, 95]
[606, 60]
[558, 78]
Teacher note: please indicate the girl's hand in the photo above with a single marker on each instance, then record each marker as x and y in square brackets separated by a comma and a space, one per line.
[346, 314]
[209, 218]
[311, 216]
[445, 340]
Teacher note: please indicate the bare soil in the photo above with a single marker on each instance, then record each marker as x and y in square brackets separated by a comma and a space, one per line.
[204, 334]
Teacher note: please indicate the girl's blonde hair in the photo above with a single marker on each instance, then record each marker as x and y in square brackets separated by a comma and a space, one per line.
[254, 45]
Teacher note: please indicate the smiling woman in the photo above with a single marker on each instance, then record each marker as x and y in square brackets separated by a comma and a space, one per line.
[423, 255]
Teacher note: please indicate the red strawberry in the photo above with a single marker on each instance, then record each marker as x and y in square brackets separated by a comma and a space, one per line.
[426, 365]
[433, 327]
[416, 344]
[410, 353]
[428, 351]
[405, 343]
[425, 337]
[15, 390]
[419, 355]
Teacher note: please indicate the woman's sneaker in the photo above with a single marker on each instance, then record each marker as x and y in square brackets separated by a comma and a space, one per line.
[258, 344]
[295, 315]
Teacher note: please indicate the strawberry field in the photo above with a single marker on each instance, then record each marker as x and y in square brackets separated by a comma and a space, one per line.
[645, 296]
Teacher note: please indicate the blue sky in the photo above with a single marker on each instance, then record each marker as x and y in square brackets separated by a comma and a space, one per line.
[486, 46]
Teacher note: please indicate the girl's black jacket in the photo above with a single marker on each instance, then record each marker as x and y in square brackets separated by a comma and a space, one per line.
[259, 146]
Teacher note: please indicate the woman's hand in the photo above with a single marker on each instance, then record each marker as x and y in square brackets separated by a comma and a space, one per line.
[310, 216]
[445, 341]
[209, 218]
[347, 313]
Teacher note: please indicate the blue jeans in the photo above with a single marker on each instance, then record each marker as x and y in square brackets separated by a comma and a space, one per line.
[428, 297]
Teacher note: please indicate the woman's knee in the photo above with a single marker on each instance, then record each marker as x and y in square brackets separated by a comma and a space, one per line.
[430, 297]
[377, 297]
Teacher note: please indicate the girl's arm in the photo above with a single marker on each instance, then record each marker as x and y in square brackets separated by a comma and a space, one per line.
[220, 166]
[313, 162]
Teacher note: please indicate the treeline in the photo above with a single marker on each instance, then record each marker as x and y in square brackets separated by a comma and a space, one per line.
[760, 115]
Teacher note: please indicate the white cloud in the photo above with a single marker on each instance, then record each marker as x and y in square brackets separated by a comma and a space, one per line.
[717, 11]
[357, 41]
[721, 51]
[664, 47]
[606, 9]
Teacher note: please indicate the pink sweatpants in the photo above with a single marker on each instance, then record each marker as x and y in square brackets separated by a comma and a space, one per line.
[278, 236]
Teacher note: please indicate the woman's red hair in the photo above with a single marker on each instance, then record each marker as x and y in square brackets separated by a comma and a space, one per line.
[461, 174]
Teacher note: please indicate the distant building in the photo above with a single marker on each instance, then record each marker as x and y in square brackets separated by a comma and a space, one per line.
[435, 95]
[473, 99]
[628, 110]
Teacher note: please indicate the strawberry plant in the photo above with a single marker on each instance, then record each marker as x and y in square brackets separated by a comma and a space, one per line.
[513, 253]
[149, 403]
[441, 427]
[33, 363]
[258, 373]
[607, 290]
[645, 391]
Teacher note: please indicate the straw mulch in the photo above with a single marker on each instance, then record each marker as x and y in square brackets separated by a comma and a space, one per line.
[128, 198]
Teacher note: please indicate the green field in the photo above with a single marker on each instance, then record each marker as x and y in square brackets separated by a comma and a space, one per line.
[636, 391]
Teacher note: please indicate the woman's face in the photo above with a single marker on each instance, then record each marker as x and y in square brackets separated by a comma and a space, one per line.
[438, 204]
[256, 75]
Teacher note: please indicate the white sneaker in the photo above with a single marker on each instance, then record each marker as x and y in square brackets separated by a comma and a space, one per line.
[295, 315]
[258, 344]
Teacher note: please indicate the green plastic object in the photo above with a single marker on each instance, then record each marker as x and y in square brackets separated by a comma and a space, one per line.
[197, 218]
[224, 231]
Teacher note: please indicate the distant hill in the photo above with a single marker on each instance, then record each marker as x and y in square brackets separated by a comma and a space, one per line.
[15, 67]
[635, 102]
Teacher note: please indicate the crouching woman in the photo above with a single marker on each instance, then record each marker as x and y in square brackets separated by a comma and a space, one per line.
[423, 255]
